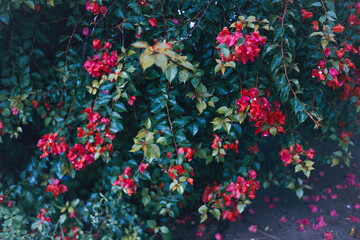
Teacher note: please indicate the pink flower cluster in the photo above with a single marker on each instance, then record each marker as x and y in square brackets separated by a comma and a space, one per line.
[100, 65]
[243, 52]
[48, 144]
[95, 8]
[260, 112]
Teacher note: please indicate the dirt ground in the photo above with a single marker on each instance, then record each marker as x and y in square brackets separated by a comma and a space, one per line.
[342, 199]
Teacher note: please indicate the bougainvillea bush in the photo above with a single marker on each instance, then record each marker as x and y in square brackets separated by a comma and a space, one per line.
[118, 117]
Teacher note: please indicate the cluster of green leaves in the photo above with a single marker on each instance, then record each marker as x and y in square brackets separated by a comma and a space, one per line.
[183, 93]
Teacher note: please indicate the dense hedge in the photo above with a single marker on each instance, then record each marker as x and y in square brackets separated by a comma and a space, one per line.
[117, 116]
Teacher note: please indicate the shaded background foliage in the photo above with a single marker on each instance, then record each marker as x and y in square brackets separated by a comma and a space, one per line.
[43, 53]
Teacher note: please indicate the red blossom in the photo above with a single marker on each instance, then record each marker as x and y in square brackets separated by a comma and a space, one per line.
[9, 203]
[93, 7]
[143, 167]
[2, 198]
[142, 3]
[56, 188]
[327, 51]
[126, 182]
[153, 22]
[305, 14]
[338, 28]
[315, 26]
[42, 216]
[132, 99]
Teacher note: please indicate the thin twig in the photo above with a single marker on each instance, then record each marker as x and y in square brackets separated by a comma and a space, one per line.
[268, 235]
[168, 116]
[197, 24]
[163, 15]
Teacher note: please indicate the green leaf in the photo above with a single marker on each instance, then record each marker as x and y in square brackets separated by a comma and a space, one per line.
[299, 193]
[30, 4]
[161, 61]
[170, 71]
[279, 32]
[277, 60]
[224, 48]
[162, 141]
[148, 124]
[140, 44]
[240, 207]
[216, 213]
[183, 75]
[62, 218]
[151, 223]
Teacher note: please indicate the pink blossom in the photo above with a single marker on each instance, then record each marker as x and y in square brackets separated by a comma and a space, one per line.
[328, 190]
[301, 229]
[303, 221]
[333, 196]
[354, 219]
[143, 167]
[86, 31]
[327, 51]
[253, 228]
[251, 211]
[218, 236]
[323, 197]
[356, 206]
[14, 110]
[199, 234]
[271, 206]
[333, 213]
[276, 199]
[283, 219]
[321, 221]
[313, 208]
[176, 22]
[266, 199]
[316, 198]
[328, 236]
[306, 198]
[333, 72]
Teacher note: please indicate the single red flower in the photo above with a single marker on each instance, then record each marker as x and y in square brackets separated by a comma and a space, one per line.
[315, 25]
[142, 3]
[153, 22]
[338, 28]
[305, 14]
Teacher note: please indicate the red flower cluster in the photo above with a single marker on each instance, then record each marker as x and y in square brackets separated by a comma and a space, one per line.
[176, 171]
[56, 188]
[79, 155]
[260, 112]
[95, 8]
[101, 65]
[73, 236]
[217, 143]
[188, 152]
[345, 136]
[48, 144]
[126, 182]
[243, 52]
[233, 193]
[293, 154]
[334, 78]
[42, 216]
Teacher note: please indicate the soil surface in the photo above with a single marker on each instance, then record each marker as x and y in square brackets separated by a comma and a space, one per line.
[284, 203]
